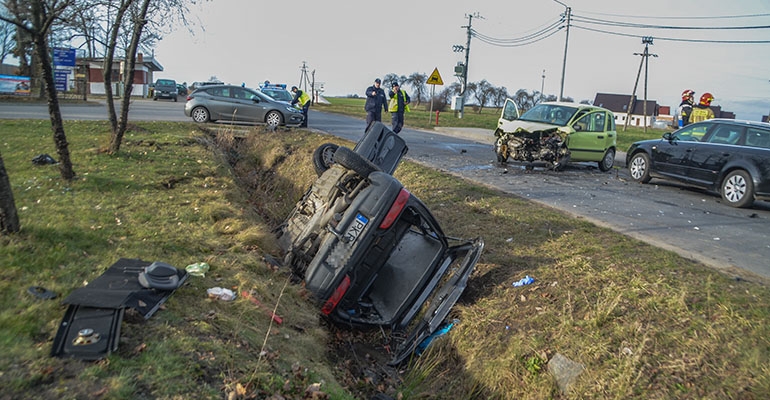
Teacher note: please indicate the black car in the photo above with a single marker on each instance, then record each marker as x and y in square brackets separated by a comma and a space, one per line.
[371, 252]
[726, 156]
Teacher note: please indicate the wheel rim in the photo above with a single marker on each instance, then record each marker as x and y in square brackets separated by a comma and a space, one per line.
[273, 119]
[199, 115]
[735, 188]
[638, 166]
[609, 159]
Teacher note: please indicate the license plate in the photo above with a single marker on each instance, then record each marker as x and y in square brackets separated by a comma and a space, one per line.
[355, 229]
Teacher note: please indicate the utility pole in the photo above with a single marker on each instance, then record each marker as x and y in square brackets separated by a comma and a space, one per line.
[467, 48]
[303, 78]
[568, 16]
[646, 40]
[542, 87]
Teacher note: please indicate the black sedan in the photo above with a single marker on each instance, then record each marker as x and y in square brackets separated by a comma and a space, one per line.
[726, 156]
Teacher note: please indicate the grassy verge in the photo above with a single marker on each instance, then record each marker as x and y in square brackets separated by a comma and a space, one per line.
[642, 322]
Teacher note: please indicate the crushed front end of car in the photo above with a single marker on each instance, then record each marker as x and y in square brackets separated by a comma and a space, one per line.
[547, 145]
[371, 252]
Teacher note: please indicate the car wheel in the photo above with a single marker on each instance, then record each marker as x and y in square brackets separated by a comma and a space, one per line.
[607, 161]
[154, 99]
[200, 114]
[738, 189]
[502, 151]
[176, 98]
[639, 167]
[273, 119]
[354, 161]
[323, 157]
[562, 158]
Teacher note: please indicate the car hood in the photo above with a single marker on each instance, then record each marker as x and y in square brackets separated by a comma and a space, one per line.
[530, 126]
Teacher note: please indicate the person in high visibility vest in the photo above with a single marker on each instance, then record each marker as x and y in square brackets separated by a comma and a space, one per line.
[399, 104]
[702, 110]
[304, 102]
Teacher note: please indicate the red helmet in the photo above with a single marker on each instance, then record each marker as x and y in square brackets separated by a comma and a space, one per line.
[706, 99]
[687, 94]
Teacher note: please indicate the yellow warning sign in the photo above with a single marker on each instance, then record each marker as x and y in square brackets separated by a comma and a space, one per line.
[435, 78]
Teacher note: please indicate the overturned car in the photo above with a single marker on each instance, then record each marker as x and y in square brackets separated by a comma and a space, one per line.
[371, 253]
[556, 133]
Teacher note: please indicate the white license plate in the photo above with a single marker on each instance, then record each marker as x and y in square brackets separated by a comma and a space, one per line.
[355, 229]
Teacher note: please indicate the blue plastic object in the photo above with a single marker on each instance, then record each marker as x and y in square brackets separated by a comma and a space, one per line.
[524, 281]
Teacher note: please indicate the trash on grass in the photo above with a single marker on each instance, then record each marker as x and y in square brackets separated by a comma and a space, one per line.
[220, 294]
[524, 281]
[43, 159]
[197, 269]
[428, 340]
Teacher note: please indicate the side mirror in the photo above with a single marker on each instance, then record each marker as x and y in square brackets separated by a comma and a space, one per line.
[668, 136]
[255, 99]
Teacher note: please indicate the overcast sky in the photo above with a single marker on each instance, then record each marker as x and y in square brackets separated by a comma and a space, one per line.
[346, 44]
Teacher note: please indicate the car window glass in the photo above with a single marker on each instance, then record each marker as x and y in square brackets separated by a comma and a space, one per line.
[758, 138]
[725, 134]
[692, 133]
[509, 112]
[241, 94]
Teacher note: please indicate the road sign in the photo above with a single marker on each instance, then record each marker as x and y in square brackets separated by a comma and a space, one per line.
[63, 57]
[435, 78]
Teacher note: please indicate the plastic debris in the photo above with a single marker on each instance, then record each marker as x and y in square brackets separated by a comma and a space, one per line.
[197, 269]
[524, 281]
[440, 332]
[221, 294]
[43, 159]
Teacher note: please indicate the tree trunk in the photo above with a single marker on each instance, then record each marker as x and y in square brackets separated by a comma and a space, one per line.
[107, 64]
[9, 219]
[57, 125]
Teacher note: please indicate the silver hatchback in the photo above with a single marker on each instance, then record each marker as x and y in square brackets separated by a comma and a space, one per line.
[239, 104]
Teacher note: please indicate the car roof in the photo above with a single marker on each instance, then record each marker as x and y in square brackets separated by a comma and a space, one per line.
[740, 122]
[579, 106]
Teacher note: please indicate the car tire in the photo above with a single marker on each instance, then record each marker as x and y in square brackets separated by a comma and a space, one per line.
[607, 161]
[200, 115]
[273, 119]
[154, 99]
[354, 161]
[639, 167]
[323, 157]
[502, 150]
[562, 158]
[738, 189]
[176, 98]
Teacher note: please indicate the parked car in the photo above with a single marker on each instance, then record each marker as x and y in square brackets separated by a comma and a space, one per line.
[239, 104]
[556, 133]
[725, 156]
[278, 92]
[371, 252]
[181, 89]
[165, 89]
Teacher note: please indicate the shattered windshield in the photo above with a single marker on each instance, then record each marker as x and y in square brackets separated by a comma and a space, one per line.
[553, 114]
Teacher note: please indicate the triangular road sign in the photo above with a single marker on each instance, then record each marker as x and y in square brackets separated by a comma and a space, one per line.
[435, 78]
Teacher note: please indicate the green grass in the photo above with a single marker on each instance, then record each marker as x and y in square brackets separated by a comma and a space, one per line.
[644, 322]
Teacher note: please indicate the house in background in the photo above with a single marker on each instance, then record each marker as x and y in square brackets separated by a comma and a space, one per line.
[657, 116]
[93, 71]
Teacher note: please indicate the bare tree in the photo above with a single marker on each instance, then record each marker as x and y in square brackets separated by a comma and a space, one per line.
[483, 93]
[9, 218]
[35, 17]
[7, 37]
[417, 82]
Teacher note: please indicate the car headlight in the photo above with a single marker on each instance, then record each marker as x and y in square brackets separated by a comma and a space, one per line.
[293, 110]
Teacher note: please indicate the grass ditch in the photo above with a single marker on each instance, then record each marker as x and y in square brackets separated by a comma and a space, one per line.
[643, 322]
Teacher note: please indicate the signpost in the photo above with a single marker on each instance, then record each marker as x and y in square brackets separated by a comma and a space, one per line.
[434, 79]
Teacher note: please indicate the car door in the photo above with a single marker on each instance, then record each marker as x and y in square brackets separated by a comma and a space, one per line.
[591, 137]
[670, 157]
[509, 114]
[708, 158]
[219, 104]
[247, 105]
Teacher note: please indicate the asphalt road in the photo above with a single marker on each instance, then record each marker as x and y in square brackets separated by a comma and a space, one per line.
[688, 221]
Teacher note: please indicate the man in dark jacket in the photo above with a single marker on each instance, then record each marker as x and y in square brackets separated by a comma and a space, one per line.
[398, 105]
[375, 103]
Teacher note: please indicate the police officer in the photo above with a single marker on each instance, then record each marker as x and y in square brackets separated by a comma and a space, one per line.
[399, 104]
[303, 99]
[375, 103]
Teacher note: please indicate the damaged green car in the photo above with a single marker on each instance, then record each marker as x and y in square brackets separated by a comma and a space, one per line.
[556, 133]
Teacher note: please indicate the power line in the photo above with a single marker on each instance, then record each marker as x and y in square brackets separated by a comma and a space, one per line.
[675, 39]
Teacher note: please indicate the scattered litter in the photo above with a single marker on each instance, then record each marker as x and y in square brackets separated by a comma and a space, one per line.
[509, 240]
[524, 281]
[41, 293]
[246, 295]
[221, 293]
[197, 269]
[43, 159]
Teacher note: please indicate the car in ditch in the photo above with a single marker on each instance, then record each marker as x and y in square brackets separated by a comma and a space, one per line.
[370, 251]
[556, 133]
[232, 103]
[726, 156]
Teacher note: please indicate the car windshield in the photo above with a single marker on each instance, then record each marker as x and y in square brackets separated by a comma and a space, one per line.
[553, 114]
[165, 82]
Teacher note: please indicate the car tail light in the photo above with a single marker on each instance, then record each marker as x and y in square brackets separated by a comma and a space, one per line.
[395, 209]
[336, 296]
[189, 97]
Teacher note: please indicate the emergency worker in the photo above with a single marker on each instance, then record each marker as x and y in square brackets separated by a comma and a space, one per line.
[685, 107]
[399, 104]
[702, 111]
[375, 103]
[303, 99]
